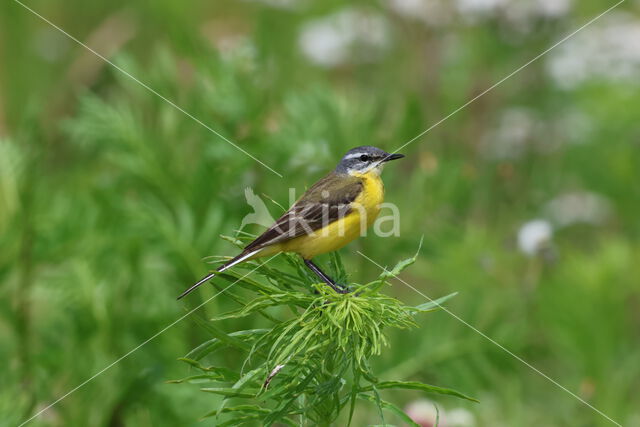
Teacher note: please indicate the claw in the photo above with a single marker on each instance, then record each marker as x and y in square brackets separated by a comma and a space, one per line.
[341, 289]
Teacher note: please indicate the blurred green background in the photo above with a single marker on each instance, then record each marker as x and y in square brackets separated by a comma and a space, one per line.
[528, 198]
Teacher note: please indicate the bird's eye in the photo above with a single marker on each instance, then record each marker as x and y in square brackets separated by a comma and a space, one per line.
[364, 158]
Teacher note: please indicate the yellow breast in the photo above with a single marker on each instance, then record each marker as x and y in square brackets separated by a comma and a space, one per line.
[372, 195]
[364, 211]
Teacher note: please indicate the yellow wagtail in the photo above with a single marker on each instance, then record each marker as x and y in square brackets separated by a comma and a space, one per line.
[330, 214]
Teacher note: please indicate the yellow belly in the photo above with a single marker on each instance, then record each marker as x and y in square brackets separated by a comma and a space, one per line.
[364, 211]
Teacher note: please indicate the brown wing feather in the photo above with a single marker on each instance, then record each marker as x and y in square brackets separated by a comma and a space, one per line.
[326, 201]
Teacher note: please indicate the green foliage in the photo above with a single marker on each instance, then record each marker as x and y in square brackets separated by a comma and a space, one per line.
[314, 360]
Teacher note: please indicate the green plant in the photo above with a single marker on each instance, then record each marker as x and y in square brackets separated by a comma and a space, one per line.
[313, 361]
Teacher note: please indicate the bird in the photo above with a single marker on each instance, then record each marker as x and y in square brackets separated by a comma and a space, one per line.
[331, 213]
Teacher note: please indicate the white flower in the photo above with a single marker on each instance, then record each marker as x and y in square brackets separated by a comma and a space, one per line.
[527, 9]
[423, 412]
[408, 8]
[523, 14]
[431, 12]
[520, 15]
[534, 236]
[479, 6]
[460, 417]
[344, 36]
[578, 207]
[279, 4]
[520, 130]
[553, 8]
[609, 50]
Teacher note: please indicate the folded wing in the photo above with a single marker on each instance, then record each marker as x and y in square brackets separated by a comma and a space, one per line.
[327, 201]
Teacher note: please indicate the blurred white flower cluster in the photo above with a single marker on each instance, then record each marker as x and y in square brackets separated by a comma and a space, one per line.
[424, 413]
[519, 130]
[431, 12]
[579, 207]
[516, 12]
[280, 4]
[358, 35]
[609, 50]
[345, 36]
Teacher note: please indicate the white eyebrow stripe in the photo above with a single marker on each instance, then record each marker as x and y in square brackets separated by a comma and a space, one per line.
[353, 155]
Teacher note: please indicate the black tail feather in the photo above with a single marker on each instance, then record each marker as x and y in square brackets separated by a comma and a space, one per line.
[236, 260]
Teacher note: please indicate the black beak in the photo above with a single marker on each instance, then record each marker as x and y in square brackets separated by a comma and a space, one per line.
[394, 156]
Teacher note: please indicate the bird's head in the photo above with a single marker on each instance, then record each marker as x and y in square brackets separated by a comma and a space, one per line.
[361, 160]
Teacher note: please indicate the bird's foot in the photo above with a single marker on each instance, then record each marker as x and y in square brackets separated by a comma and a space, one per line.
[341, 289]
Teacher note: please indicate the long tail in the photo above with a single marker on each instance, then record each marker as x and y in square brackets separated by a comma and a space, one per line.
[234, 261]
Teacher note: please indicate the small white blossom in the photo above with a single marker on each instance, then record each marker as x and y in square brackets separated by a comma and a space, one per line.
[520, 130]
[522, 14]
[553, 8]
[424, 413]
[607, 50]
[534, 236]
[431, 12]
[343, 37]
[460, 417]
[578, 207]
[279, 4]
[408, 8]
[479, 6]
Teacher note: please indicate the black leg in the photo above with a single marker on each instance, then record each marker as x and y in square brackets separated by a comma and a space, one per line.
[336, 287]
